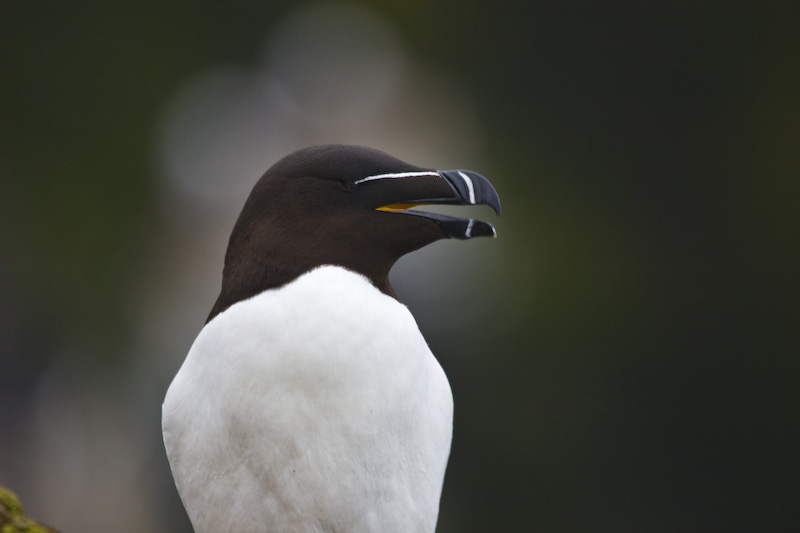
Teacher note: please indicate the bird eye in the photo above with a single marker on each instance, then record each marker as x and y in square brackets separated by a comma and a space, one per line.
[349, 185]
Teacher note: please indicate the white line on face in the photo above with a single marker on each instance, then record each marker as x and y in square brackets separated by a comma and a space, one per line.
[399, 175]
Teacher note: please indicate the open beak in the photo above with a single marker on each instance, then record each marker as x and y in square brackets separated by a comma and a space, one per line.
[468, 188]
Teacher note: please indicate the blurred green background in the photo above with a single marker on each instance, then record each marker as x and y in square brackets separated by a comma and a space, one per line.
[624, 357]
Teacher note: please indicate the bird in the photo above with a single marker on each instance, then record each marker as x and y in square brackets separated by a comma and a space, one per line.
[310, 401]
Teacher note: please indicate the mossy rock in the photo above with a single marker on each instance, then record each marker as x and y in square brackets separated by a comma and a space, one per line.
[12, 516]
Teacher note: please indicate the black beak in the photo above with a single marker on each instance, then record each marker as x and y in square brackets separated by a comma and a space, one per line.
[469, 188]
[466, 188]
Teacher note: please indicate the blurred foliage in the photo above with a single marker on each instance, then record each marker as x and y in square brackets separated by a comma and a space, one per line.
[643, 370]
[12, 516]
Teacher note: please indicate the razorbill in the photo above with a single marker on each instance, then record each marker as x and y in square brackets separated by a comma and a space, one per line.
[310, 401]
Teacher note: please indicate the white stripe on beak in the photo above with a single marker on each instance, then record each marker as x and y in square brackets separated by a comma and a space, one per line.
[468, 181]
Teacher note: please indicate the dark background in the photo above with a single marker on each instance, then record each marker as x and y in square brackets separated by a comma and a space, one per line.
[636, 366]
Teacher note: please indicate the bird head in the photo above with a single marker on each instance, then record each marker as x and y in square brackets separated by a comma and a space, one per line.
[348, 206]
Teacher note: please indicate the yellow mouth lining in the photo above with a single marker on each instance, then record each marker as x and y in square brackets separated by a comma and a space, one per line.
[397, 207]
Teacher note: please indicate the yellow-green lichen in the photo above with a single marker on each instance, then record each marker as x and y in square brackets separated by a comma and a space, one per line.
[12, 516]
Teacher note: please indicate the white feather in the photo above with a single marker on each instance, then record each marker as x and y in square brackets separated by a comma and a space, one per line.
[315, 407]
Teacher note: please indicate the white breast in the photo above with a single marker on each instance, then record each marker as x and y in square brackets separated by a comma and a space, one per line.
[314, 407]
